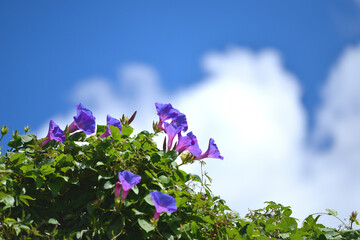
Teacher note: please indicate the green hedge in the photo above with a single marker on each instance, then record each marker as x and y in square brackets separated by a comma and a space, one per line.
[66, 191]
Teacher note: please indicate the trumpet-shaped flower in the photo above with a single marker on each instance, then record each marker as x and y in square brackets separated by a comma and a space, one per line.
[84, 120]
[171, 131]
[166, 111]
[189, 143]
[117, 189]
[55, 133]
[180, 122]
[128, 180]
[111, 121]
[211, 152]
[163, 203]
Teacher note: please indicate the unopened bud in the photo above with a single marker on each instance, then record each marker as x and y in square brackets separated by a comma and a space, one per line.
[26, 129]
[187, 157]
[353, 216]
[4, 130]
[131, 118]
[156, 127]
[164, 145]
[15, 134]
[123, 120]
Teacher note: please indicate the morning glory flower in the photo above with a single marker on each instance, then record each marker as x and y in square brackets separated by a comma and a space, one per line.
[171, 131]
[166, 111]
[84, 120]
[180, 122]
[189, 143]
[128, 180]
[111, 121]
[55, 133]
[163, 203]
[211, 152]
[117, 189]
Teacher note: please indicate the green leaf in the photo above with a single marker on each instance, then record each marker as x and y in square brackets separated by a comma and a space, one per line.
[332, 212]
[26, 138]
[99, 164]
[77, 136]
[171, 155]
[14, 143]
[148, 227]
[135, 189]
[47, 169]
[270, 227]
[7, 199]
[108, 185]
[24, 198]
[17, 230]
[65, 169]
[127, 130]
[18, 158]
[194, 227]
[137, 212]
[208, 219]
[53, 221]
[164, 179]
[100, 129]
[352, 234]
[54, 187]
[115, 132]
[27, 168]
[194, 177]
[148, 199]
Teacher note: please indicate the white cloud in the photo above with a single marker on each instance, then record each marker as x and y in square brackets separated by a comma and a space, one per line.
[339, 120]
[252, 107]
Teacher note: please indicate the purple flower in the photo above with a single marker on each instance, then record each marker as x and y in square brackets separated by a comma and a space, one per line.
[55, 133]
[117, 189]
[111, 121]
[211, 152]
[180, 122]
[166, 111]
[84, 120]
[128, 180]
[171, 131]
[189, 143]
[163, 203]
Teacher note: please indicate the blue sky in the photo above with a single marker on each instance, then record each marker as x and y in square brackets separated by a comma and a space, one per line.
[46, 47]
[53, 55]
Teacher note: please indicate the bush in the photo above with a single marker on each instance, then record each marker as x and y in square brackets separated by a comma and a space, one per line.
[67, 186]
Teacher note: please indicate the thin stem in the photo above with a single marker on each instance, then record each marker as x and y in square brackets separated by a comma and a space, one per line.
[157, 230]
[202, 175]
[116, 236]
[347, 226]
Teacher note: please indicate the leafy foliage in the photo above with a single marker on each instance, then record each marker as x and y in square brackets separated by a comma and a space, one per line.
[66, 191]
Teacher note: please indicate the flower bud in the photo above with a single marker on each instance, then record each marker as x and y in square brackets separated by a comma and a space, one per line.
[15, 134]
[353, 216]
[4, 130]
[131, 118]
[156, 127]
[26, 129]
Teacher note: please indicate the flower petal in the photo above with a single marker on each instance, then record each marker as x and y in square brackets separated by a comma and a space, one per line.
[166, 111]
[54, 133]
[189, 143]
[84, 120]
[163, 203]
[211, 152]
[171, 131]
